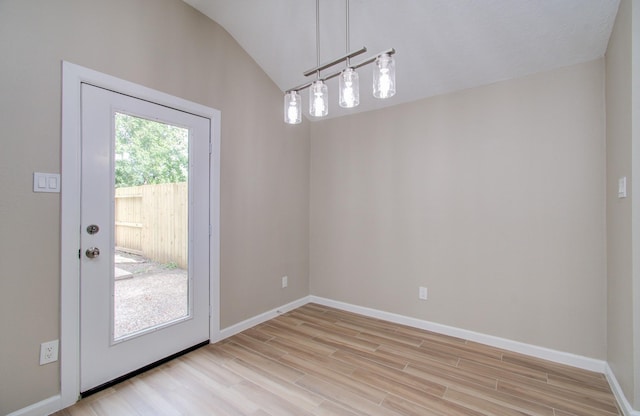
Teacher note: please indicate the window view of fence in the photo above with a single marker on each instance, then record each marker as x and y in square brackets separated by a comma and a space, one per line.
[151, 207]
[152, 221]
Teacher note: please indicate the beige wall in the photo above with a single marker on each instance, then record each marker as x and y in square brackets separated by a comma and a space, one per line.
[619, 163]
[623, 218]
[492, 197]
[166, 45]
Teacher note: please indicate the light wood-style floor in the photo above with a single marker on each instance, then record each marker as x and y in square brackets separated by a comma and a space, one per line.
[321, 361]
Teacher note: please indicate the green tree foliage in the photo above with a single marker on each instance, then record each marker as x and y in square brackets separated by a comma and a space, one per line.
[149, 152]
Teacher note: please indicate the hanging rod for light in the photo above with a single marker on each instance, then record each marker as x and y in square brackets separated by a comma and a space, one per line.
[336, 61]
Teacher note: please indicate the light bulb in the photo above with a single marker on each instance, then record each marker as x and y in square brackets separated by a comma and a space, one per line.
[318, 99]
[292, 108]
[384, 77]
[349, 88]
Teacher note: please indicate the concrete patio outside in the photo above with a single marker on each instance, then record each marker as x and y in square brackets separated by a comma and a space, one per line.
[147, 294]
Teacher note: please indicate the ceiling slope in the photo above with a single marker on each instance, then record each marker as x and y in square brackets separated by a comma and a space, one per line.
[442, 45]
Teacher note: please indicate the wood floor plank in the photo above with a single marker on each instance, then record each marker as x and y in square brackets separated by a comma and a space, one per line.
[501, 370]
[79, 409]
[264, 364]
[275, 385]
[387, 338]
[270, 403]
[461, 351]
[603, 393]
[349, 354]
[323, 361]
[299, 351]
[169, 381]
[449, 376]
[351, 401]
[549, 367]
[209, 371]
[256, 334]
[481, 405]
[262, 347]
[319, 366]
[427, 406]
[283, 338]
[417, 355]
[584, 396]
[383, 331]
[332, 409]
[339, 336]
[505, 400]
[350, 383]
[577, 404]
[401, 385]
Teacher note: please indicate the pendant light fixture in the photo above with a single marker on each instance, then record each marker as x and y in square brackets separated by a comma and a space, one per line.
[319, 94]
[384, 81]
[292, 108]
[349, 85]
[349, 88]
[384, 77]
[318, 99]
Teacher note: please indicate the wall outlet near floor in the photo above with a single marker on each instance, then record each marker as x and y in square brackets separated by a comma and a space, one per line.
[285, 281]
[48, 352]
[422, 293]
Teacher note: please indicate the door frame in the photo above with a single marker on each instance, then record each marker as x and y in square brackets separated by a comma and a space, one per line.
[72, 78]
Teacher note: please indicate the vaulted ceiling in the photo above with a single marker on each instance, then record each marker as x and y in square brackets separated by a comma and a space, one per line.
[441, 45]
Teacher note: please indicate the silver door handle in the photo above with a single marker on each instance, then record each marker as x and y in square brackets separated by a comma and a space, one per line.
[92, 252]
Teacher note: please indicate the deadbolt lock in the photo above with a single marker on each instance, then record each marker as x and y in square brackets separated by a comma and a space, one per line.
[93, 229]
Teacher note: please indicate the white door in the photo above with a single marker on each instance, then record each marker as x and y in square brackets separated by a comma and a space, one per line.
[144, 237]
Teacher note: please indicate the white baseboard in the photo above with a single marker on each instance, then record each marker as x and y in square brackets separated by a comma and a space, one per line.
[44, 407]
[263, 317]
[573, 360]
[624, 404]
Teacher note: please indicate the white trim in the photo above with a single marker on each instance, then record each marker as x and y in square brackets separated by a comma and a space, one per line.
[44, 407]
[69, 240]
[263, 317]
[72, 77]
[623, 403]
[214, 227]
[561, 357]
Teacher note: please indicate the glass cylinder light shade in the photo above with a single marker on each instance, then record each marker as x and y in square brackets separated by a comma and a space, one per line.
[318, 99]
[349, 88]
[384, 77]
[292, 108]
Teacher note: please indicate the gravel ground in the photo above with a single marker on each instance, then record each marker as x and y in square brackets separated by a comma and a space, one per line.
[153, 295]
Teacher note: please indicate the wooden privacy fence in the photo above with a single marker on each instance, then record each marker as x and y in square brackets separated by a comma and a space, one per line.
[152, 221]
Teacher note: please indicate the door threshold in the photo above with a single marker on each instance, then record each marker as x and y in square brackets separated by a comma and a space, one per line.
[140, 370]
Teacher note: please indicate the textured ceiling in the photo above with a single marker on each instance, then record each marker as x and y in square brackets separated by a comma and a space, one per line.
[441, 45]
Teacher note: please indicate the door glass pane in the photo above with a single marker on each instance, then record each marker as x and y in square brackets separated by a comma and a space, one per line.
[151, 284]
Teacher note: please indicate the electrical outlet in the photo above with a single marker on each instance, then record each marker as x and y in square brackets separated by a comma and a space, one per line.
[285, 281]
[422, 294]
[48, 352]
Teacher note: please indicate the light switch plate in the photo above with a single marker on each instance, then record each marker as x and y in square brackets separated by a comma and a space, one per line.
[622, 187]
[46, 182]
[422, 293]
